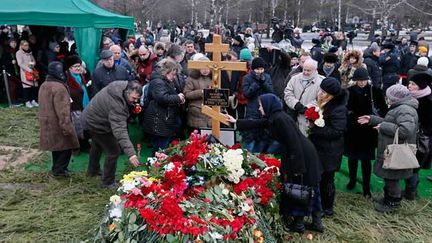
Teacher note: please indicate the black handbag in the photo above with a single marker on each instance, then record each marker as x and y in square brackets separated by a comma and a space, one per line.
[424, 150]
[375, 111]
[298, 193]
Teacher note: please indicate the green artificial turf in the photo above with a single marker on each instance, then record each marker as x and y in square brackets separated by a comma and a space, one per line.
[37, 207]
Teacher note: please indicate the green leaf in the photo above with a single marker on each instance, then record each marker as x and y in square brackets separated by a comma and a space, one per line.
[170, 238]
[186, 239]
[133, 227]
[132, 218]
[142, 228]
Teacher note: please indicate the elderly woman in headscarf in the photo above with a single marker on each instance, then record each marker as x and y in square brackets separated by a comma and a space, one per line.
[300, 162]
[402, 117]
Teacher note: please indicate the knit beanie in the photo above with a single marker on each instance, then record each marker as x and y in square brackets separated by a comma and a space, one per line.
[245, 54]
[423, 61]
[332, 86]
[52, 45]
[258, 63]
[360, 74]
[397, 92]
[422, 80]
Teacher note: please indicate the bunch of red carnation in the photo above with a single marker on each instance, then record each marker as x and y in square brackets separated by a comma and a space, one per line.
[194, 149]
[311, 114]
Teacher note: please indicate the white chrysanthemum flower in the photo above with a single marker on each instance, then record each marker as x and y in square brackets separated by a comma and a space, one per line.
[319, 122]
[116, 212]
[169, 167]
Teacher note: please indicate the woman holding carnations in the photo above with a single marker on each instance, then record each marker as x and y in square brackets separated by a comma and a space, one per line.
[361, 141]
[300, 161]
[328, 137]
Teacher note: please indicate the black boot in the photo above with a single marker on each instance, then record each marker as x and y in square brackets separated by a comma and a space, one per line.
[410, 192]
[327, 198]
[366, 175]
[298, 224]
[388, 205]
[316, 224]
[352, 168]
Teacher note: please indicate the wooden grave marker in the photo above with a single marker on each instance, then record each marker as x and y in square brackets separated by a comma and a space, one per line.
[216, 65]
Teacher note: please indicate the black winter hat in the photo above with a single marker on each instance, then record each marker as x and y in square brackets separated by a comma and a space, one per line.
[258, 62]
[422, 80]
[316, 41]
[72, 60]
[239, 39]
[330, 58]
[333, 49]
[55, 69]
[413, 43]
[331, 86]
[360, 74]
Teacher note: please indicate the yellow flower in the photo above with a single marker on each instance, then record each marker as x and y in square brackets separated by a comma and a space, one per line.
[111, 227]
[114, 199]
[257, 233]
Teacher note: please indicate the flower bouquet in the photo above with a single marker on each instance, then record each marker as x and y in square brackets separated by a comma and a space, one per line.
[315, 114]
[197, 192]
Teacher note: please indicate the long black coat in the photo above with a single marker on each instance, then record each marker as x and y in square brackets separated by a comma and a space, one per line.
[298, 154]
[424, 112]
[329, 140]
[374, 69]
[361, 141]
[161, 117]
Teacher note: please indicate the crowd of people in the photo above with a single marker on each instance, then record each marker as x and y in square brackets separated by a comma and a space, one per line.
[365, 98]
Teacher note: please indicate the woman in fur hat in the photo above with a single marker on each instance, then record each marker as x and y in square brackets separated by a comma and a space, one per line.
[79, 93]
[351, 61]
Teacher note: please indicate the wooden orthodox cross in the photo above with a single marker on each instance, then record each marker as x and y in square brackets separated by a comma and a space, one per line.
[217, 65]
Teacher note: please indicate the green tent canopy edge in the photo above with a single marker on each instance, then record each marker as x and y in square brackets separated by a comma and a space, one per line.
[87, 18]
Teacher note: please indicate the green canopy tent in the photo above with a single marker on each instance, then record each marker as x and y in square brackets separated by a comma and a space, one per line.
[87, 19]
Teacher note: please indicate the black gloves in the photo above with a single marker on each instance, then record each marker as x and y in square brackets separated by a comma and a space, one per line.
[300, 108]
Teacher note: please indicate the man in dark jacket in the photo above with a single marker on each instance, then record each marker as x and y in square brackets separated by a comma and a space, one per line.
[329, 67]
[105, 118]
[409, 60]
[371, 56]
[108, 72]
[390, 63]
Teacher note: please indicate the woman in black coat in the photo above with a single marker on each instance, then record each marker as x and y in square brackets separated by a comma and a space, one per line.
[162, 115]
[419, 87]
[361, 141]
[329, 139]
[300, 162]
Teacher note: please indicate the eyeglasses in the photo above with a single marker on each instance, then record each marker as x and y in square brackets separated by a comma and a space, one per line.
[76, 66]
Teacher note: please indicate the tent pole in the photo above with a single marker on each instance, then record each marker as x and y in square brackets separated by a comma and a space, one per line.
[6, 83]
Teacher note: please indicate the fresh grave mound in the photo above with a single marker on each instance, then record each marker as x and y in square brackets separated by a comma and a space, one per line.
[13, 156]
[200, 192]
